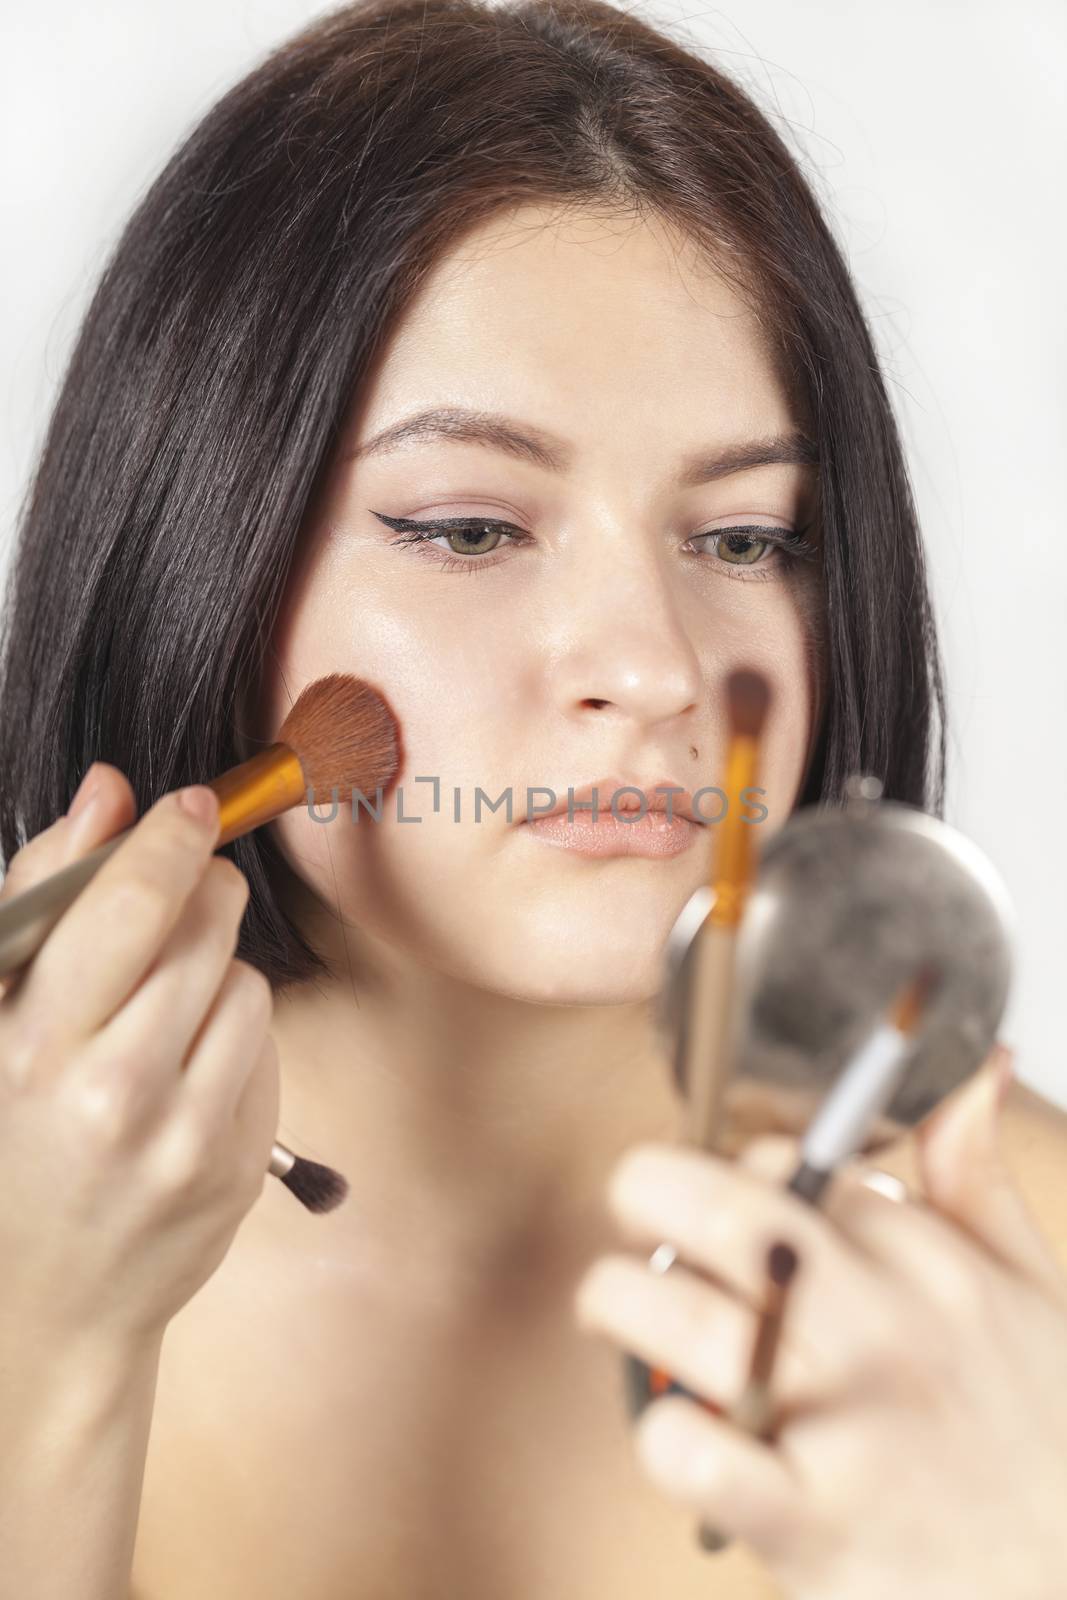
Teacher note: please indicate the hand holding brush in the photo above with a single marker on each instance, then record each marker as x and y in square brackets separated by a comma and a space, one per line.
[924, 1345]
[340, 736]
[836, 1132]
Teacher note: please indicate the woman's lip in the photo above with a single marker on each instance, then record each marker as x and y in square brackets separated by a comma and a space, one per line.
[650, 835]
[652, 796]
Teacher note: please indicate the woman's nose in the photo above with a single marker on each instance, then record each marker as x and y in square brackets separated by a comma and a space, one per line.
[625, 646]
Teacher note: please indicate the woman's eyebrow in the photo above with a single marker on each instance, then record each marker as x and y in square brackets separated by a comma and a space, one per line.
[546, 450]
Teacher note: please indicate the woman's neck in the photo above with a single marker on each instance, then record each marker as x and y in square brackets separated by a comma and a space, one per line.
[473, 1128]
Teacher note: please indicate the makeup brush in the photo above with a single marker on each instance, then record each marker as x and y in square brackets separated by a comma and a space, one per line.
[862, 1091]
[752, 1409]
[704, 1060]
[711, 1010]
[837, 1131]
[339, 736]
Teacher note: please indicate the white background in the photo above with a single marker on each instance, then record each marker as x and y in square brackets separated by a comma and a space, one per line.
[934, 136]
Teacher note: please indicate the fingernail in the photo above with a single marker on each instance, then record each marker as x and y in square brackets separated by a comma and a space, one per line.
[81, 822]
[200, 802]
[84, 793]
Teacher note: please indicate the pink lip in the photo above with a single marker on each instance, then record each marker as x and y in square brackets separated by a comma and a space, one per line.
[652, 835]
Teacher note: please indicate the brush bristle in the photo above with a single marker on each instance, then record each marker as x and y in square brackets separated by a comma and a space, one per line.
[781, 1263]
[315, 1186]
[914, 998]
[748, 695]
[345, 737]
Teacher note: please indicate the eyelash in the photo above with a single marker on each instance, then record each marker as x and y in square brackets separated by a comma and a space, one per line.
[786, 540]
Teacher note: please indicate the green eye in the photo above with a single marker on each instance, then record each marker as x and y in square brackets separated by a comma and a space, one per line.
[735, 544]
[476, 536]
[471, 537]
[746, 544]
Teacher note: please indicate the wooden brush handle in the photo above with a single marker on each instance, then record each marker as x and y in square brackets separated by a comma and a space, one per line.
[709, 1033]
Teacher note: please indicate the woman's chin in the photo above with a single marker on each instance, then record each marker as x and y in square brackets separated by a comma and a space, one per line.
[584, 983]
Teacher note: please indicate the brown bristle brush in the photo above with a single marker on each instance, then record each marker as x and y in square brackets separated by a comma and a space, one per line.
[711, 1010]
[850, 1108]
[705, 1058]
[339, 735]
[753, 1411]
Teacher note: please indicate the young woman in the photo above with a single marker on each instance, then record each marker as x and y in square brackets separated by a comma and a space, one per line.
[500, 356]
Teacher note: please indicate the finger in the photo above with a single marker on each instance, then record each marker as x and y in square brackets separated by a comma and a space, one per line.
[742, 1486]
[696, 1331]
[258, 1106]
[103, 944]
[228, 1046]
[70, 836]
[919, 1243]
[159, 1021]
[102, 806]
[908, 1241]
[775, 1157]
[966, 1179]
[721, 1216]
[46, 852]
[49, 850]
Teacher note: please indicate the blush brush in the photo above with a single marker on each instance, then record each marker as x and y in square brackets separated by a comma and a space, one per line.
[340, 736]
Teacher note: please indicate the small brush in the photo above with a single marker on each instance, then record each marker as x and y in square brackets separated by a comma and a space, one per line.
[837, 1131]
[753, 1410]
[863, 1090]
[710, 1023]
[340, 736]
[704, 1060]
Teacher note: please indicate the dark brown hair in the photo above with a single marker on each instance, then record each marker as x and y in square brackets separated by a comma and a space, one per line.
[245, 298]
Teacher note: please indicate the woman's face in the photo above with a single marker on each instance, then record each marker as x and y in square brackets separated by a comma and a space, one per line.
[589, 637]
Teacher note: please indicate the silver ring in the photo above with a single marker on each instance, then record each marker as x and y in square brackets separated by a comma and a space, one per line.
[663, 1257]
[885, 1183]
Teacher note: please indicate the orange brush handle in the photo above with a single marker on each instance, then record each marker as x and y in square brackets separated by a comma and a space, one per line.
[257, 791]
[645, 1384]
[734, 854]
[249, 795]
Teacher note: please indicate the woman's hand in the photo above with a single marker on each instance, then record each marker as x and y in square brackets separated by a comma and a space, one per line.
[921, 1381]
[138, 1080]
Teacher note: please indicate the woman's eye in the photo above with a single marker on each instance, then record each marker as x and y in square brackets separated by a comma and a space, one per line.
[743, 549]
[474, 537]
[471, 539]
[746, 545]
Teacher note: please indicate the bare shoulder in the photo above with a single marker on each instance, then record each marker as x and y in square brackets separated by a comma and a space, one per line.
[1033, 1142]
[1027, 1116]
[1033, 1138]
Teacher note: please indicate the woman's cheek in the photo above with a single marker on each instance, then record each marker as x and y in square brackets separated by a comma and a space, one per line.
[778, 637]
